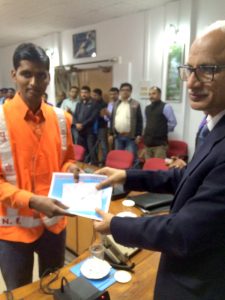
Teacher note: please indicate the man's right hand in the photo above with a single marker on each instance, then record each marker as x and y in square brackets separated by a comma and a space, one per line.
[176, 162]
[47, 206]
[115, 176]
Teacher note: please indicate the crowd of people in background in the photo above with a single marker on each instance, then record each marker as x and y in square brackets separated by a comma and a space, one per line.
[101, 126]
[6, 94]
[118, 123]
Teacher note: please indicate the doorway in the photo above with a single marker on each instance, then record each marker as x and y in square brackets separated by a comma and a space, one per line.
[99, 77]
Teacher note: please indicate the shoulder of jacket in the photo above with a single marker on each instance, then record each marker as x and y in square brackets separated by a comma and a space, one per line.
[134, 102]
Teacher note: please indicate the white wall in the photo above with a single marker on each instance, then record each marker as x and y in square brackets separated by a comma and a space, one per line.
[122, 38]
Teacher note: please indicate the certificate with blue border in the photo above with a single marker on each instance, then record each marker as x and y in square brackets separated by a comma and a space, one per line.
[61, 180]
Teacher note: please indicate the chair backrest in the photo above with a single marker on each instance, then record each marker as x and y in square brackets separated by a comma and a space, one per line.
[79, 152]
[154, 164]
[177, 148]
[120, 159]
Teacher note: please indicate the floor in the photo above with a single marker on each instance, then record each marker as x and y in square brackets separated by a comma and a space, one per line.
[68, 258]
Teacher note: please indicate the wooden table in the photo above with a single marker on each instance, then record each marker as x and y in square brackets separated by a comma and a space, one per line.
[140, 287]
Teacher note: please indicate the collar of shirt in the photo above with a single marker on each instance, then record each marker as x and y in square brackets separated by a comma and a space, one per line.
[212, 121]
[37, 118]
[128, 100]
[27, 114]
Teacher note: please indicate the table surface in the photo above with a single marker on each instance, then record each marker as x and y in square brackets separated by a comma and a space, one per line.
[140, 287]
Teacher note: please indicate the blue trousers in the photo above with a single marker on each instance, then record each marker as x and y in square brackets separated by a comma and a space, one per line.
[16, 258]
[125, 143]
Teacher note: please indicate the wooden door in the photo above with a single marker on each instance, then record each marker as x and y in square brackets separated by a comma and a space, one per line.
[100, 77]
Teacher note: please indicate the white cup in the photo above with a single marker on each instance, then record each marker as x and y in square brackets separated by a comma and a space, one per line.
[128, 203]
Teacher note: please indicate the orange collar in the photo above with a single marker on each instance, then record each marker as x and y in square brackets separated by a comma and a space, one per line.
[27, 114]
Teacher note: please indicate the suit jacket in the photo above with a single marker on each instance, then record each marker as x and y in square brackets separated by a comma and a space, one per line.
[86, 114]
[192, 237]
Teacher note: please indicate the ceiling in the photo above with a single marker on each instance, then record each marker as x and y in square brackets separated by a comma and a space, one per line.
[27, 19]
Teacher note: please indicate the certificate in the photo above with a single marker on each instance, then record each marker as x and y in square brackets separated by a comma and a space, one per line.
[81, 198]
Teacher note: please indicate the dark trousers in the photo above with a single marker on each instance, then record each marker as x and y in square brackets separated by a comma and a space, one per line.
[88, 141]
[103, 140]
[74, 133]
[17, 259]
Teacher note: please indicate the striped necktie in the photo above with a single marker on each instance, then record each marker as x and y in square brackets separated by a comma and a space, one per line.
[202, 135]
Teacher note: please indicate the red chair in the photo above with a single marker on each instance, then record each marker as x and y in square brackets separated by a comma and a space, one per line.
[119, 159]
[155, 164]
[79, 152]
[141, 151]
[177, 148]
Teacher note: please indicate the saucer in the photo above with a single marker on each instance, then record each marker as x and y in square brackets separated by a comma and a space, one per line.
[95, 268]
[122, 276]
[128, 202]
[126, 214]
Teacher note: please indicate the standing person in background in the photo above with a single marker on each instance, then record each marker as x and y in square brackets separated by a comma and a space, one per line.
[126, 121]
[61, 96]
[69, 105]
[10, 94]
[3, 95]
[113, 97]
[35, 141]
[45, 99]
[101, 123]
[85, 116]
[160, 120]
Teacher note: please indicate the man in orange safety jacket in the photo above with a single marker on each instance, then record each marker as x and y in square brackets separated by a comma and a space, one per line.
[35, 141]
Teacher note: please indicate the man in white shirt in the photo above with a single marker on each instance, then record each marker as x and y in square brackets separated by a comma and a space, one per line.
[69, 105]
[126, 122]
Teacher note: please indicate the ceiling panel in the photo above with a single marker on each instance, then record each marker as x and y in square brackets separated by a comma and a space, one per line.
[26, 19]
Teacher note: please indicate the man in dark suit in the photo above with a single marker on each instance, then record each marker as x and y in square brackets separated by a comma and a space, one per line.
[85, 115]
[192, 237]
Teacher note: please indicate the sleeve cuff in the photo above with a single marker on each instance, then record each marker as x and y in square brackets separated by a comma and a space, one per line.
[66, 166]
[21, 198]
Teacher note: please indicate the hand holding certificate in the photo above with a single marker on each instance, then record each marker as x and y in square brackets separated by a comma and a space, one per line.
[81, 198]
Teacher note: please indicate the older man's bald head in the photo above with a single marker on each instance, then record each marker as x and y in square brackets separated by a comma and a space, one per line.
[207, 61]
[212, 40]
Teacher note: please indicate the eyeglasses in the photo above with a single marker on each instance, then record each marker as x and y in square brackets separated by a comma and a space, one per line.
[202, 73]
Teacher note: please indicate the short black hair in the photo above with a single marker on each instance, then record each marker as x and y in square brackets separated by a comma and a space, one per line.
[97, 91]
[30, 52]
[126, 84]
[86, 88]
[114, 89]
[156, 88]
[11, 89]
[4, 90]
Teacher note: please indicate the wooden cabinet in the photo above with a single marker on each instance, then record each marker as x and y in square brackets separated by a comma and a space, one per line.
[79, 234]
[71, 234]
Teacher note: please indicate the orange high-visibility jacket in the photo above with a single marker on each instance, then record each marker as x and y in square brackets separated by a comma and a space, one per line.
[26, 166]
